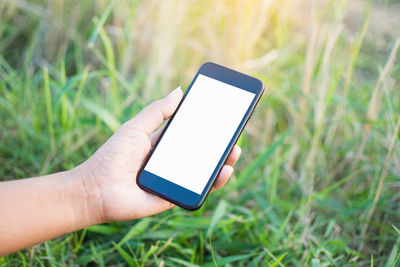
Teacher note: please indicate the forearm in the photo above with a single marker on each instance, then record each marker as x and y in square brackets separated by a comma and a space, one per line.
[37, 209]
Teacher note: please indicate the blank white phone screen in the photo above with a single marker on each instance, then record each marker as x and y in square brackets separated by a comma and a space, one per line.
[201, 130]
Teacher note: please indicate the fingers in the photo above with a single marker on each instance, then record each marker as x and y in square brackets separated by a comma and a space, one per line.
[223, 177]
[154, 137]
[227, 169]
[233, 156]
[150, 118]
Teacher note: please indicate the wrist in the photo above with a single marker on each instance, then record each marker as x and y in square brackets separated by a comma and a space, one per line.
[88, 208]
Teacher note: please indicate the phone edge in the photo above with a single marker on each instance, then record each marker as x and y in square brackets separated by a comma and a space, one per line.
[202, 199]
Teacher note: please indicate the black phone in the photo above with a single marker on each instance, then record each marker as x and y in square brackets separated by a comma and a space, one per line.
[198, 138]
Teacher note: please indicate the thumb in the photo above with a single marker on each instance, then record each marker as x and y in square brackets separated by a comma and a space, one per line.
[151, 117]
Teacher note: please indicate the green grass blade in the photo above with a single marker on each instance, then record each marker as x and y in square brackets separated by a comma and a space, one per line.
[64, 114]
[315, 262]
[97, 256]
[22, 258]
[49, 108]
[50, 255]
[278, 260]
[103, 229]
[100, 22]
[337, 184]
[138, 228]
[218, 214]
[102, 113]
[394, 254]
[257, 163]
[279, 234]
[125, 255]
[182, 262]
[112, 70]
[227, 260]
[79, 242]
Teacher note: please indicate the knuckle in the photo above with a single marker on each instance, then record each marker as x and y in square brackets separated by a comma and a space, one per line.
[155, 105]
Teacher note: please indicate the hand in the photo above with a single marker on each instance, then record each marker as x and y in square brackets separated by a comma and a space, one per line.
[101, 189]
[109, 176]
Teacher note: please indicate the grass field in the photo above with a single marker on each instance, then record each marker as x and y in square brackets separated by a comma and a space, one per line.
[319, 178]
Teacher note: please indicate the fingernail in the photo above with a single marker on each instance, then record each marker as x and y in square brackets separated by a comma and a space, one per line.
[175, 91]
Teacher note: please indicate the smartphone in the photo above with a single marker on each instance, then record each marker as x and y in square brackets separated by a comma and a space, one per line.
[198, 138]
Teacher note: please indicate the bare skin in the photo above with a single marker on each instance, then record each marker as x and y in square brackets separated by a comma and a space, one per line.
[102, 189]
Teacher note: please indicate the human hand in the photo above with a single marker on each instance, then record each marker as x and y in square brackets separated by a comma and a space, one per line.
[109, 176]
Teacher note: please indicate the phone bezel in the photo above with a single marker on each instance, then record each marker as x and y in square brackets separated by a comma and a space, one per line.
[180, 195]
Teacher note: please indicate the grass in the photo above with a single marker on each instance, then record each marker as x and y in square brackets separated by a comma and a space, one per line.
[318, 182]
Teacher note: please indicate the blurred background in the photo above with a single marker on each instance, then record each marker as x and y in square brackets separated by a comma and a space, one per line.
[319, 177]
